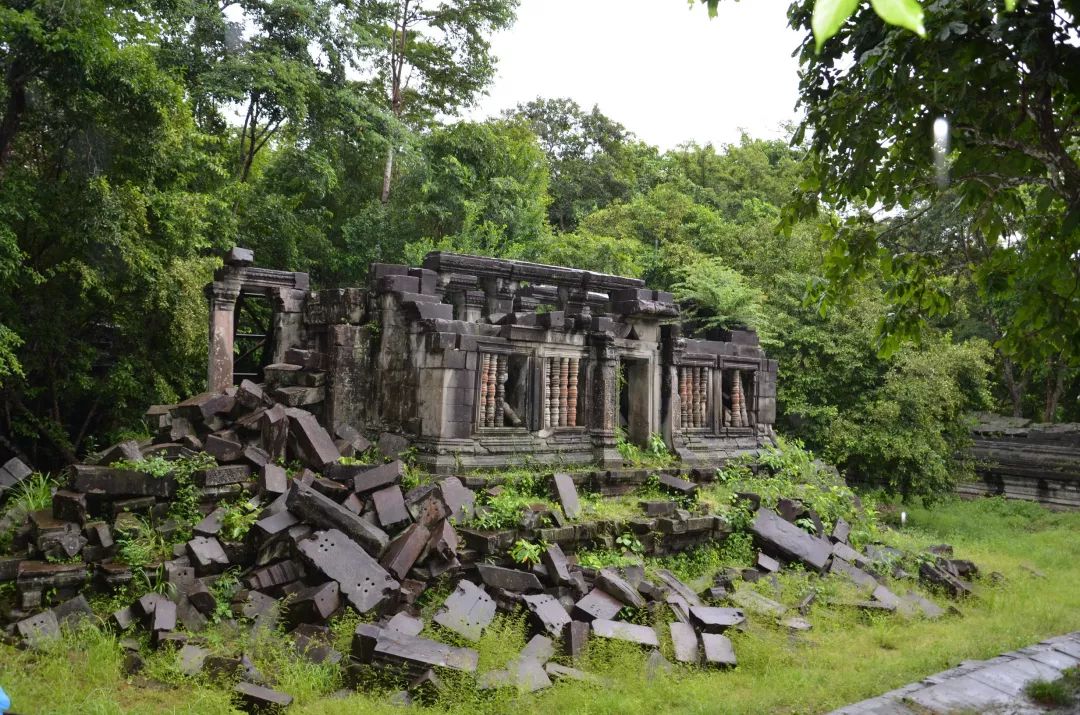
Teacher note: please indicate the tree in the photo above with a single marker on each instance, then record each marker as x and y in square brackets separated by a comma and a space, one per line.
[1010, 117]
[594, 160]
[433, 57]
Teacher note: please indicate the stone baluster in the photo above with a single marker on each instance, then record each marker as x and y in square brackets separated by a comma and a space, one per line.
[564, 379]
[501, 373]
[684, 399]
[736, 399]
[485, 361]
[745, 417]
[703, 398]
[572, 393]
[548, 367]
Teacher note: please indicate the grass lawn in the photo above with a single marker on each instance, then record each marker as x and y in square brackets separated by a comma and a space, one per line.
[848, 656]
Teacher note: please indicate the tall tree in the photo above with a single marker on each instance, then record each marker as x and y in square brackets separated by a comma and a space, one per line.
[434, 57]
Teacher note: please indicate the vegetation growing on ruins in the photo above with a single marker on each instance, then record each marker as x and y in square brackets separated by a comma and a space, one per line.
[848, 655]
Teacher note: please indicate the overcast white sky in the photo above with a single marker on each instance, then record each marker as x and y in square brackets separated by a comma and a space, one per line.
[665, 71]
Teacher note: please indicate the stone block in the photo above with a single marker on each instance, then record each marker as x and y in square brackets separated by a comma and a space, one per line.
[90, 479]
[314, 604]
[223, 475]
[614, 585]
[467, 611]
[321, 511]
[260, 699]
[390, 507]
[597, 604]
[857, 575]
[316, 448]
[718, 650]
[458, 498]
[767, 564]
[750, 600]
[405, 550]
[685, 642]
[207, 555]
[38, 628]
[363, 581]
[575, 639]
[548, 613]
[684, 591]
[392, 445]
[630, 632]
[788, 541]
[711, 619]
[273, 480]
[508, 579]
[372, 478]
[411, 650]
[274, 430]
[568, 496]
[557, 567]
[402, 622]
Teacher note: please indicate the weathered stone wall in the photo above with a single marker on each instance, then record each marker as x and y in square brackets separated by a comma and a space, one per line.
[1023, 460]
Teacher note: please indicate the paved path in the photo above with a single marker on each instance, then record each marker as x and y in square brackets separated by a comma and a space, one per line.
[979, 686]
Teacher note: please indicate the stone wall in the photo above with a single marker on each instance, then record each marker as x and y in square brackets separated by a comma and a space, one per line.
[1020, 459]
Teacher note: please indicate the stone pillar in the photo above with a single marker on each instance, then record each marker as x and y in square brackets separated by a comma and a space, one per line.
[605, 400]
[222, 296]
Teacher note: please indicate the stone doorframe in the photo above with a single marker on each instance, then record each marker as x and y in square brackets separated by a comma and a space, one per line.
[237, 277]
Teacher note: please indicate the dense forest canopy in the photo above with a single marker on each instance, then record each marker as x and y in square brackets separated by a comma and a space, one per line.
[139, 139]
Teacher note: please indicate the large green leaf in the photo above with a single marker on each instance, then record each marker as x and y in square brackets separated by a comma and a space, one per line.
[829, 15]
[904, 13]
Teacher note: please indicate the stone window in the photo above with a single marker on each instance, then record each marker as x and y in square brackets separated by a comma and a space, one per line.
[504, 390]
[695, 397]
[563, 380]
[738, 386]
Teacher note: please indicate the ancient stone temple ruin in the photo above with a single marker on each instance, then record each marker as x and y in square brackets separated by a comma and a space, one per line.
[480, 362]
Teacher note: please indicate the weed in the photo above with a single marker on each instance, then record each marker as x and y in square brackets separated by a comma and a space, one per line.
[238, 519]
[630, 543]
[527, 552]
[655, 454]
[1058, 693]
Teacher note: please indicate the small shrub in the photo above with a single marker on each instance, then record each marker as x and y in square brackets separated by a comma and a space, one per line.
[238, 519]
[1055, 693]
[527, 552]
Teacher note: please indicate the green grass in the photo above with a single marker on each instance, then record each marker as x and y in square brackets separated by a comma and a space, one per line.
[848, 656]
[1058, 693]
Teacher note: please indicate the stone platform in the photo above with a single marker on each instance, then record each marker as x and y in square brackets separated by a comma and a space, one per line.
[979, 686]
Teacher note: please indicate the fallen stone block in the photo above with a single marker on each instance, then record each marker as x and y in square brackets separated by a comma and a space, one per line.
[886, 597]
[789, 541]
[548, 613]
[940, 578]
[467, 611]
[685, 642]
[711, 619]
[767, 563]
[392, 445]
[273, 480]
[568, 496]
[508, 579]
[459, 499]
[562, 672]
[841, 531]
[845, 552]
[14, 471]
[597, 604]
[223, 447]
[207, 555]
[90, 479]
[554, 561]
[384, 475]
[259, 699]
[913, 603]
[398, 647]
[314, 604]
[316, 448]
[351, 436]
[319, 510]
[718, 650]
[857, 575]
[390, 507]
[630, 632]
[658, 508]
[38, 628]
[656, 665]
[363, 581]
[750, 600]
[223, 475]
[679, 587]
[274, 430]
[404, 623]
[612, 584]
[404, 551]
[576, 638]
[69, 506]
[191, 659]
[444, 539]
[678, 485]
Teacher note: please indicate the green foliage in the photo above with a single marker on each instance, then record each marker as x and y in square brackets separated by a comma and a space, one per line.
[705, 560]
[1060, 693]
[656, 454]
[527, 552]
[628, 542]
[504, 510]
[718, 297]
[238, 519]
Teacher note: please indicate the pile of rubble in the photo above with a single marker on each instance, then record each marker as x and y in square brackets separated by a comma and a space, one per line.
[341, 533]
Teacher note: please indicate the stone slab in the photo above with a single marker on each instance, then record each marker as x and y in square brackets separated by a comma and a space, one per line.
[630, 632]
[789, 541]
[390, 507]
[597, 604]
[568, 496]
[322, 511]
[685, 641]
[467, 611]
[361, 579]
[718, 650]
[509, 579]
[712, 619]
[399, 647]
[548, 612]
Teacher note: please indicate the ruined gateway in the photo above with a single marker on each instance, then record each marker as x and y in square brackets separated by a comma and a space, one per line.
[479, 362]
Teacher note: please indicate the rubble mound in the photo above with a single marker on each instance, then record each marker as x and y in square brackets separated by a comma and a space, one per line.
[243, 537]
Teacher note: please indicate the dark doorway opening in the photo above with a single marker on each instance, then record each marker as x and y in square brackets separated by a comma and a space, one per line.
[634, 390]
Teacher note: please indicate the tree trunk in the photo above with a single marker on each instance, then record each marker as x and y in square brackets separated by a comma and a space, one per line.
[1016, 388]
[1055, 387]
[387, 174]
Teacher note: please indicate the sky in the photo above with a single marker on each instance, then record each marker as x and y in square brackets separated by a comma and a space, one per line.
[665, 71]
